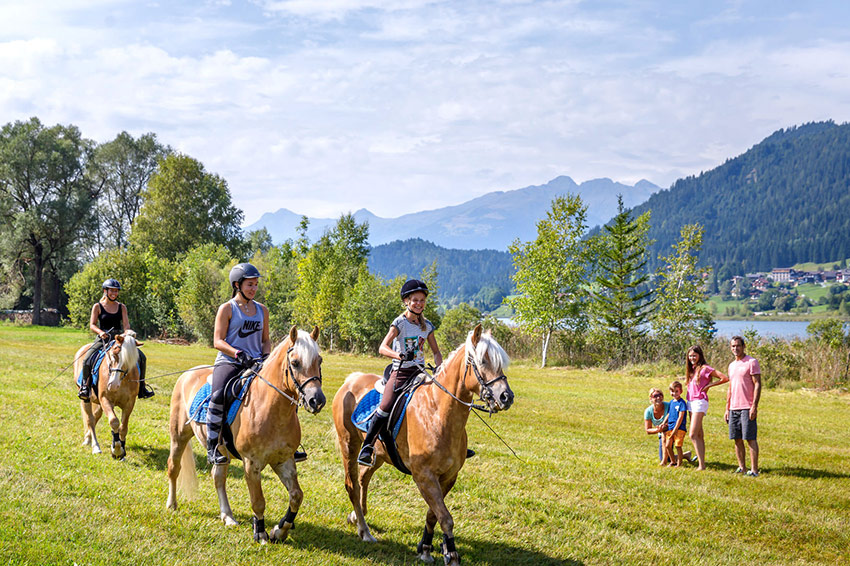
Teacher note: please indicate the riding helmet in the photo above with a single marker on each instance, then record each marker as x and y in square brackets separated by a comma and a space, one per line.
[412, 286]
[242, 271]
[112, 284]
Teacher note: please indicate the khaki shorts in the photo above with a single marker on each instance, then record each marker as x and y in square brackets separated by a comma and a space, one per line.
[678, 437]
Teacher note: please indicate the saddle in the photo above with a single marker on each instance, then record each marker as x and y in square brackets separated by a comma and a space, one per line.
[234, 394]
[365, 411]
[95, 368]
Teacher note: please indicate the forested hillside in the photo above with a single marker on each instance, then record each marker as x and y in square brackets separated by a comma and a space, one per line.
[784, 201]
[478, 277]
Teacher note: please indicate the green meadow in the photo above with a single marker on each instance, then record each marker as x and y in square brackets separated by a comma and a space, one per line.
[585, 490]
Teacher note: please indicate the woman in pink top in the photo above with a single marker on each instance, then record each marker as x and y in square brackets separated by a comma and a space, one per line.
[700, 377]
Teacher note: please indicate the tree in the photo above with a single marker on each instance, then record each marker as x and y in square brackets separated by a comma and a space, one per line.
[622, 301]
[551, 272]
[184, 206]
[279, 267]
[47, 199]
[368, 310]
[456, 324]
[259, 241]
[205, 285]
[328, 272]
[122, 168]
[679, 320]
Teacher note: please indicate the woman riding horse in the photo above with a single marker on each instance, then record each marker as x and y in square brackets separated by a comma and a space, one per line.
[108, 320]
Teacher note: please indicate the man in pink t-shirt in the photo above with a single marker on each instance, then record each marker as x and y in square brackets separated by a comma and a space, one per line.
[742, 401]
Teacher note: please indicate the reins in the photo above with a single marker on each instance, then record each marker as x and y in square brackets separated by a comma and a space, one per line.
[471, 405]
[91, 346]
[299, 387]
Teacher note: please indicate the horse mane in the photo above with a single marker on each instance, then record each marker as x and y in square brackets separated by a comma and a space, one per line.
[487, 346]
[305, 348]
[128, 357]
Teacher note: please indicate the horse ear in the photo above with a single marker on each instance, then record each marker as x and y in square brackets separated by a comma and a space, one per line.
[120, 338]
[315, 334]
[476, 334]
[293, 334]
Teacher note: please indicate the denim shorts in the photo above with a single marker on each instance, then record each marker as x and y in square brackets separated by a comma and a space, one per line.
[740, 425]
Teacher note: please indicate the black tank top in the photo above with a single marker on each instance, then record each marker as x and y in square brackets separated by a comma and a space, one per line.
[108, 320]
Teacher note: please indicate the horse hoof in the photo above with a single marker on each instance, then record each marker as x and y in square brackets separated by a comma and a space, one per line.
[96, 450]
[279, 535]
[367, 537]
[228, 521]
[426, 558]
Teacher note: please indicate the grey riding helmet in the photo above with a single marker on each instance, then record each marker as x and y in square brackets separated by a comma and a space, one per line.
[112, 284]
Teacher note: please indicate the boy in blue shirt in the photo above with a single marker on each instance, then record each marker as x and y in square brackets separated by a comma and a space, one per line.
[677, 427]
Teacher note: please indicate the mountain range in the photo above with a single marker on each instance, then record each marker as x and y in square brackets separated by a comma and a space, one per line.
[491, 221]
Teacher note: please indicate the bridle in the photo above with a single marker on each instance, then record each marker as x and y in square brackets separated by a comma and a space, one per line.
[486, 391]
[290, 376]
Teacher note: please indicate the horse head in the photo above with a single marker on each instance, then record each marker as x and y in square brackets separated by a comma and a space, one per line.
[302, 368]
[122, 358]
[484, 375]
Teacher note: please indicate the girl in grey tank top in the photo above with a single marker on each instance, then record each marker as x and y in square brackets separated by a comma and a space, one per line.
[243, 333]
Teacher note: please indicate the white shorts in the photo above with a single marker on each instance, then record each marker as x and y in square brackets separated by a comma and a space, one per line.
[698, 406]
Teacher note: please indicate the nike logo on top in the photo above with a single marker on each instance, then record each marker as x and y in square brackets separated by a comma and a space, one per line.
[250, 327]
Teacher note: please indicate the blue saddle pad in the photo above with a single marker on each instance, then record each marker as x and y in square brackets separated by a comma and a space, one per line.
[201, 402]
[365, 410]
[94, 369]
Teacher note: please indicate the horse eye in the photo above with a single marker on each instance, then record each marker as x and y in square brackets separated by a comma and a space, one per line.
[296, 364]
[320, 360]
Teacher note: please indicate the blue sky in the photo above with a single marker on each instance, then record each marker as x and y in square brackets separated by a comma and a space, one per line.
[400, 106]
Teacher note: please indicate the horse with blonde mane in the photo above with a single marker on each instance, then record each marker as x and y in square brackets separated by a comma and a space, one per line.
[265, 431]
[432, 439]
[117, 386]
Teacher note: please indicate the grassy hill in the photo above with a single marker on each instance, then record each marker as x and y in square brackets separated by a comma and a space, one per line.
[588, 490]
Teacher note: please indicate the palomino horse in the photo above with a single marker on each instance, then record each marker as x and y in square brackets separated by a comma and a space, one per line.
[266, 430]
[432, 440]
[117, 386]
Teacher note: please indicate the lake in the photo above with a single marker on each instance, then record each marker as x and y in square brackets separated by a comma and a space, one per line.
[767, 328]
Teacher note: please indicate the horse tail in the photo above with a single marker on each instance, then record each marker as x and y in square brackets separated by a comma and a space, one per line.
[187, 481]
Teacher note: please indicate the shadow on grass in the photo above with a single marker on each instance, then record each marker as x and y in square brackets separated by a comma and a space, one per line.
[308, 536]
[804, 473]
[157, 459]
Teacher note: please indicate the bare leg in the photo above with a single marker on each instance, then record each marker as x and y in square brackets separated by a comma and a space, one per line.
[288, 474]
[740, 453]
[754, 455]
[698, 439]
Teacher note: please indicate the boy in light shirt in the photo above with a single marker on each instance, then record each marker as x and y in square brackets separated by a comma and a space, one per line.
[677, 427]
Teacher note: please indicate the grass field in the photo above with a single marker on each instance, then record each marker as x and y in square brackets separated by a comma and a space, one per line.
[587, 491]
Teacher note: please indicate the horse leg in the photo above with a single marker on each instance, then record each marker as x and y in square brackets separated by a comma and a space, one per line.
[122, 431]
[258, 500]
[425, 546]
[115, 425]
[179, 442]
[219, 474]
[349, 447]
[91, 414]
[434, 492]
[289, 476]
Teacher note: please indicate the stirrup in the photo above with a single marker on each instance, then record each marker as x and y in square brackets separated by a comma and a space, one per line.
[299, 456]
[145, 391]
[85, 394]
[366, 456]
[215, 457]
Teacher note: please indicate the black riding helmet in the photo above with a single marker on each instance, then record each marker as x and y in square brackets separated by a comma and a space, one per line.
[111, 284]
[239, 273]
[412, 286]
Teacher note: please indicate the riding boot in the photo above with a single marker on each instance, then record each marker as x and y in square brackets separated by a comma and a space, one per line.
[469, 453]
[215, 416]
[299, 456]
[85, 386]
[367, 453]
[145, 392]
